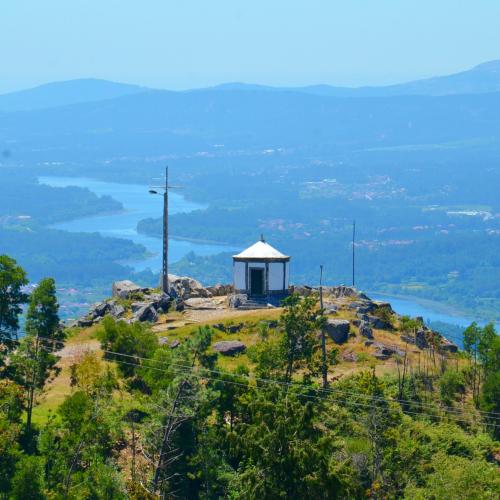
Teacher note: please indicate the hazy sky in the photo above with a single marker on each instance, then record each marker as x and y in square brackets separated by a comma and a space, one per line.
[191, 43]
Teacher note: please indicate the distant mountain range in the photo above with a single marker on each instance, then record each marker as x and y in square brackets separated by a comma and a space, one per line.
[480, 79]
[158, 121]
[483, 78]
[101, 118]
[51, 95]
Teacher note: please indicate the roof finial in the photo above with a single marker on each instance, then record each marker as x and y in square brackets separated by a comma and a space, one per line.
[262, 238]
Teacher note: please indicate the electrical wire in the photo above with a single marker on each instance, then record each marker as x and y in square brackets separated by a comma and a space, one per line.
[449, 410]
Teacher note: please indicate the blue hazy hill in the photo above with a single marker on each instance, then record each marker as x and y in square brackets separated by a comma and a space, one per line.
[483, 78]
[480, 79]
[158, 120]
[56, 94]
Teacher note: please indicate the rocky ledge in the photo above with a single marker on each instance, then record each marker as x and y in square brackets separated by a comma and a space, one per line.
[133, 303]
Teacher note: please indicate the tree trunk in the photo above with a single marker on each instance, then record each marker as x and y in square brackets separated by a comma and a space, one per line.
[31, 389]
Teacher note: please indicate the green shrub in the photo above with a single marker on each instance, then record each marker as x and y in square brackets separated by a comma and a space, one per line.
[451, 383]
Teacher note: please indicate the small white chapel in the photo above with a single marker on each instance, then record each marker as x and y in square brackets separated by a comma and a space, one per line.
[261, 271]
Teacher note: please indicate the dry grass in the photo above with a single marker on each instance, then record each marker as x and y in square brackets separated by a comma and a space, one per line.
[60, 387]
[182, 325]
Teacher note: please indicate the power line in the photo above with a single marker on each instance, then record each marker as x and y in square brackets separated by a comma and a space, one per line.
[185, 368]
[450, 410]
[296, 384]
[345, 401]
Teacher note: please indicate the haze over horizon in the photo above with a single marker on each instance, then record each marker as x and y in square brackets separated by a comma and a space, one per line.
[163, 45]
[236, 84]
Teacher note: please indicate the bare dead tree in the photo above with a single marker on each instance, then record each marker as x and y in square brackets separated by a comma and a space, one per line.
[78, 450]
[169, 430]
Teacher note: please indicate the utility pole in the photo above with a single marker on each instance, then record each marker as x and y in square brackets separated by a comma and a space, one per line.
[353, 251]
[323, 339]
[164, 274]
[153, 190]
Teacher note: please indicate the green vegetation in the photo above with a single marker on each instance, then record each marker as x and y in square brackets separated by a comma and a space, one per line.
[142, 419]
[75, 259]
[23, 195]
[12, 279]
[33, 361]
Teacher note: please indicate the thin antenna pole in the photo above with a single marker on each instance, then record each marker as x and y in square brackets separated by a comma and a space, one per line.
[321, 286]
[165, 284]
[353, 251]
[323, 339]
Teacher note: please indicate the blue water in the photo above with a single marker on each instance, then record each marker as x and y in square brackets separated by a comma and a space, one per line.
[412, 308]
[138, 204]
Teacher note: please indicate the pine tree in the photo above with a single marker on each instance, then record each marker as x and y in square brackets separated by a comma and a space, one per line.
[34, 361]
[12, 297]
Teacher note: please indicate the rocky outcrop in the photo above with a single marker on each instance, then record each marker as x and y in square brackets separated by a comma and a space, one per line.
[167, 342]
[234, 328]
[374, 321]
[421, 338]
[350, 357]
[237, 300]
[425, 338]
[97, 313]
[149, 303]
[160, 301]
[384, 351]
[220, 290]
[116, 310]
[185, 287]
[338, 330]
[83, 322]
[362, 307]
[125, 289]
[302, 290]
[229, 347]
[447, 346]
[365, 330]
[344, 291]
[336, 292]
[330, 309]
[200, 304]
[144, 312]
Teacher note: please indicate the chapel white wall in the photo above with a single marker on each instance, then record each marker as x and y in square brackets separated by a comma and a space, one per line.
[239, 275]
[276, 276]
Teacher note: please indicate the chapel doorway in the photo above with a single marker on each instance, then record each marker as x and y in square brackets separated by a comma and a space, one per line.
[256, 281]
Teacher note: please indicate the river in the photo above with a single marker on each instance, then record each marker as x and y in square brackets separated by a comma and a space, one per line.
[428, 311]
[138, 204]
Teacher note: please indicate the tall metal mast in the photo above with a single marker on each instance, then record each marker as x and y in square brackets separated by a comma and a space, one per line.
[353, 250]
[154, 190]
[164, 276]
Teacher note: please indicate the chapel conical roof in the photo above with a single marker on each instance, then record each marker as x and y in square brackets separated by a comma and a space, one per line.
[261, 251]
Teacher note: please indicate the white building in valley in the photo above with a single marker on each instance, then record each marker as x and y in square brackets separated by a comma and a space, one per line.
[261, 271]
